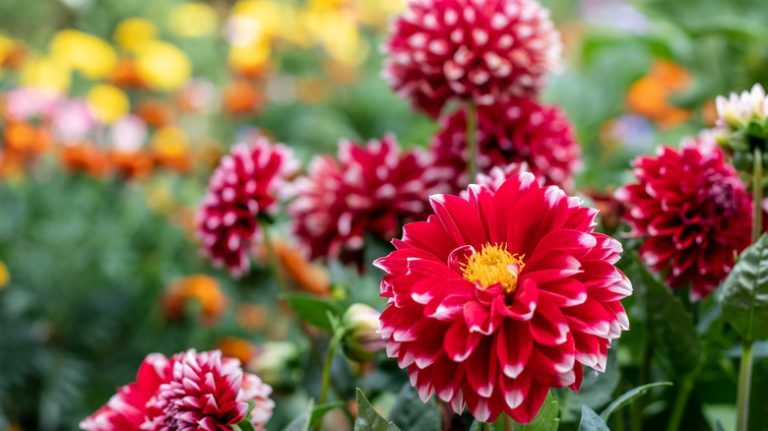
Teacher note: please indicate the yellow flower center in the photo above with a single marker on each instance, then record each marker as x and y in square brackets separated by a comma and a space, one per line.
[494, 264]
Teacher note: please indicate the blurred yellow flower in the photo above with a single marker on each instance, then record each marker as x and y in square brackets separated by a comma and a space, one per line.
[247, 58]
[339, 35]
[46, 73]
[7, 46]
[194, 19]
[133, 33]
[5, 276]
[169, 146]
[163, 66]
[88, 54]
[108, 102]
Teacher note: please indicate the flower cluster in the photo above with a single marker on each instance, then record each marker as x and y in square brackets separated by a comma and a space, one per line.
[242, 189]
[513, 131]
[443, 50]
[693, 211]
[190, 390]
[500, 295]
[368, 190]
[738, 110]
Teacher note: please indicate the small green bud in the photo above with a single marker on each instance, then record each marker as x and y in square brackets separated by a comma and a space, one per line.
[361, 338]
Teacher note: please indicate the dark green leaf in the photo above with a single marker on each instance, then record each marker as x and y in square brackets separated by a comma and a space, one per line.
[301, 422]
[548, 417]
[744, 295]
[319, 411]
[671, 327]
[409, 413]
[313, 309]
[628, 396]
[368, 419]
[244, 425]
[590, 421]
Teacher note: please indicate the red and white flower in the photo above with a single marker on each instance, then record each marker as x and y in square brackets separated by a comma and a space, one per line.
[243, 187]
[693, 211]
[500, 296]
[190, 391]
[369, 189]
[480, 50]
[513, 131]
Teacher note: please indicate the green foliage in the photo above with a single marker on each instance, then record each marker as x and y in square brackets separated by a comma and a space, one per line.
[368, 419]
[630, 396]
[744, 295]
[314, 310]
[590, 421]
[548, 418]
[410, 414]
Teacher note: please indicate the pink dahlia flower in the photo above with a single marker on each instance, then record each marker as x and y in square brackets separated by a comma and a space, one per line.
[480, 50]
[370, 189]
[126, 410]
[500, 296]
[514, 131]
[190, 391]
[243, 188]
[693, 211]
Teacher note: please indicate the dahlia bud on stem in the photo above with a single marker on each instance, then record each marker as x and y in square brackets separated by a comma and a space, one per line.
[361, 338]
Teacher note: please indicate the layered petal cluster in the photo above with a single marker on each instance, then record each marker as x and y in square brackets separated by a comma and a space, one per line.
[370, 189]
[513, 131]
[500, 296]
[189, 391]
[740, 108]
[243, 188]
[480, 50]
[693, 211]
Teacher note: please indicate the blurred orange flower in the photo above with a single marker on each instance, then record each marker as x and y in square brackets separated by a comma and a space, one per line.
[11, 165]
[156, 113]
[26, 138]
[304, 274]
[200, 288]
[87, 158]
[169, 148]
[650, 95]
[251, 316]
[126, 74]
[237, 348]
[137, 164]
[242, 97]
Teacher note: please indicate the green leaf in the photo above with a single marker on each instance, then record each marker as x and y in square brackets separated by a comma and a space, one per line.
[314, 309]
[409, 413]
[244, 425]
[368, 419]
[744, 295]
[590, 421]
[596, 390]
[671, 327]
[548, 417]
[301, 422]
[319, 411]
[628, 396]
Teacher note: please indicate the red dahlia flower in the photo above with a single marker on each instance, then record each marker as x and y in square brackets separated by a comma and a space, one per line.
[126, 410]
[514, 131]
[370, 189]
[693, 211]
[242, 188]
[500, 296]
[190, 391]
[481, 50]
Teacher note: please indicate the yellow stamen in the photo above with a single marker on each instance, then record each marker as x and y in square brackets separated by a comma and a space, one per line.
[494, 264]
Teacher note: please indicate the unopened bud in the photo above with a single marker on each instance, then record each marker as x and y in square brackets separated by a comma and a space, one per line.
[361, 337]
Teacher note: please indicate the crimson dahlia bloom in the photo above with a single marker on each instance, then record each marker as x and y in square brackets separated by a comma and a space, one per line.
[190, 391]
[242, 188]
[126, 410]
[514, 131]
[693, 211]
[370, 189]
[500, 296]
[480, 50]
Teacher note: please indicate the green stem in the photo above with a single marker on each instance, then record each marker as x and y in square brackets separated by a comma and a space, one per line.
[745, 383]
[329, 355]
[274, 261]
[485, 426]
[508, 424]
[681, 401]
[471, 114]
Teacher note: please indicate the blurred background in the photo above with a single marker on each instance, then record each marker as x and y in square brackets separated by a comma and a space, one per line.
[114, 113]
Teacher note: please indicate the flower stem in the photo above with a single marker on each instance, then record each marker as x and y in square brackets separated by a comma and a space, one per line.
[745, 368]
[745, 383]
[329, 355]
[471, 114]
[681, 401]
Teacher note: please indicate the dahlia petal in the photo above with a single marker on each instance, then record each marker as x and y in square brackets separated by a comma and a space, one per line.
[482, 369]
[514, 390]
[548, 326]
[564, 293]
[531, 405]
[513, 348]
[524, 303]
[459, 342]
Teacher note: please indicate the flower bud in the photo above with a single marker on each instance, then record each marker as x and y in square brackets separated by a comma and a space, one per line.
[361, 337]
